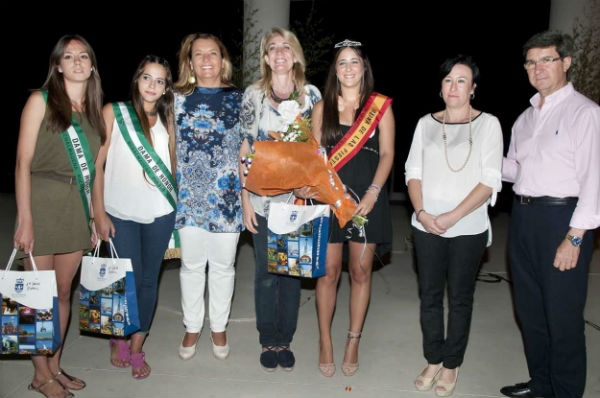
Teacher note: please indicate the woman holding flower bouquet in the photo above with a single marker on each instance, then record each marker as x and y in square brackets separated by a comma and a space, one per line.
[271, 105]
[209, 214]
[352, 113]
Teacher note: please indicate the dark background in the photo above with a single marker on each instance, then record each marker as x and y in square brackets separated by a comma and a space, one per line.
[406, 48]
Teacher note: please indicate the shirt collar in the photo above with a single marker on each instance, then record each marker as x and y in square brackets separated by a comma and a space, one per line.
[555, 97]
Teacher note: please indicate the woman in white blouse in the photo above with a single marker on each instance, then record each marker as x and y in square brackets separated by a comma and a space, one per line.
[129, 205]
[453, 173]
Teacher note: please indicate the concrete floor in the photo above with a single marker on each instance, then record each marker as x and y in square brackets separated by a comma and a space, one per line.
[390, 349]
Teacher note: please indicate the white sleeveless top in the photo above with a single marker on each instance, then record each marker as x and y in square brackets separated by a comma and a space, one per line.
[128, 193]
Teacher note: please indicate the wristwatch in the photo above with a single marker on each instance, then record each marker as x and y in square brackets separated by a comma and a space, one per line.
[575, 240]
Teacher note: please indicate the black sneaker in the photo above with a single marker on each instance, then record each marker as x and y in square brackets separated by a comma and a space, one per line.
[285, 358]
[268, 359]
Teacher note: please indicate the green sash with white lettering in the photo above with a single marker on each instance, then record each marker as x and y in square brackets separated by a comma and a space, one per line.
[155, 168]
[81, 159]
[157, 171]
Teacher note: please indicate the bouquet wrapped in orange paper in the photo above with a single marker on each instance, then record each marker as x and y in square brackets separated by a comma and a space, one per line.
[278, 167]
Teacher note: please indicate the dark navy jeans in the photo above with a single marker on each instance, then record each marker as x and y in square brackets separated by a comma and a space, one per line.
[276, 297]
[145, 245]
[549, 302]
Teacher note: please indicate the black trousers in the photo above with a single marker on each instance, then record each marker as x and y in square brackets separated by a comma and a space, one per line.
[455, 261]
[549, 302]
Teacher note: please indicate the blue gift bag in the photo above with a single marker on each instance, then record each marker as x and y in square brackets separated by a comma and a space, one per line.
[29, 321]
[107, 296]
[297, 239]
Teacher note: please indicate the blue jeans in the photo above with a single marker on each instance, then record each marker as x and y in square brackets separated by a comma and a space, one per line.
[145, 245]
[276, 297]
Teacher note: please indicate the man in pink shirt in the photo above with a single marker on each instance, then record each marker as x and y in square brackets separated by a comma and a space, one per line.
[554, 162]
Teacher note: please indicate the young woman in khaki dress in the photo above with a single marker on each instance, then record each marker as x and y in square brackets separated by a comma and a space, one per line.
[51, 221]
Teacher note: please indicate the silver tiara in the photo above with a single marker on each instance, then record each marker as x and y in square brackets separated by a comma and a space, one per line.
[348, 43]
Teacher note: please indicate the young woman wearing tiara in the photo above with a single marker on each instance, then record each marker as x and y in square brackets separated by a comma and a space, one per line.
[350, 108]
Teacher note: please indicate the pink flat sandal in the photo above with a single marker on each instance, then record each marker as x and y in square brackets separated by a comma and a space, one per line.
[123, 353]
[137, 363]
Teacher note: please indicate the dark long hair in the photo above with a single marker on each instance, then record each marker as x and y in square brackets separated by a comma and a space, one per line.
[331, 131]
[164, 105]
[58, 111]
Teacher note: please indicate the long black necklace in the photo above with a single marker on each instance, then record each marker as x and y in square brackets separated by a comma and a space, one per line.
[279, 100]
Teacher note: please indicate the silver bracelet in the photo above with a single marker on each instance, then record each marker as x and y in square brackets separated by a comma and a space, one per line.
[377, 187]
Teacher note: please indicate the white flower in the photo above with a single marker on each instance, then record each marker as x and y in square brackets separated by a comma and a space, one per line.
[289, 110]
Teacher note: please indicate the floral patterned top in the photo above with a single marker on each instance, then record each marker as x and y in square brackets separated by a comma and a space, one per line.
[208, 143]
[257, 118]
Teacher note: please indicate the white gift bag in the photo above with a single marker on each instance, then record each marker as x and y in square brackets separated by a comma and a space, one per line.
[29, 319]
[108, 301]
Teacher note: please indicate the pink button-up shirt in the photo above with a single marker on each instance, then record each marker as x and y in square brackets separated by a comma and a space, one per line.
[555, 151]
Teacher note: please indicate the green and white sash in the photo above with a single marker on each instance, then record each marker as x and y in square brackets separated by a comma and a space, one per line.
[155, 168]
[81, 159]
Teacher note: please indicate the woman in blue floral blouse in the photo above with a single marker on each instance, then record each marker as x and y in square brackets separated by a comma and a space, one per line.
[209, 213]
[277, 297]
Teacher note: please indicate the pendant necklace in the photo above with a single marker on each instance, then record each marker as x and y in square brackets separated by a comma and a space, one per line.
[444, 139]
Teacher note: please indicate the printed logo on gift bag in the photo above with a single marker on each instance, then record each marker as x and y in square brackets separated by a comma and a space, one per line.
[102, 271]
[19, 285]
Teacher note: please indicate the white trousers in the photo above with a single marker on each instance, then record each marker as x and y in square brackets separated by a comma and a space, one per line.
[199, 247]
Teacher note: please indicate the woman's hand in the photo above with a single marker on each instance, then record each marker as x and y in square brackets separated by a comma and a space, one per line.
[366, 204]
[429, 223]
[248, 214]
[446, 220]
[105, 228]
[93, 234]
[24, 237]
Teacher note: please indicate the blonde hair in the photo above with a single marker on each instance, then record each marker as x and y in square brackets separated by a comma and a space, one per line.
[299, 65]
[183, 84]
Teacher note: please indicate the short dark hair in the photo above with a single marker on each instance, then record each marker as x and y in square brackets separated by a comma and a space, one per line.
[563, 42]
[466, 60]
